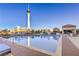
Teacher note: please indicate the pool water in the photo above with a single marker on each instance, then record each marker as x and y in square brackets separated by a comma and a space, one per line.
[48, 43]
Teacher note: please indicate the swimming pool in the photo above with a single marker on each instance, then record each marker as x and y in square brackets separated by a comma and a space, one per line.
[48, 43]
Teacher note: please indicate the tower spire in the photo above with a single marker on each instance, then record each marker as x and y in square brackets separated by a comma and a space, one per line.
[28, 6]
[28, 15]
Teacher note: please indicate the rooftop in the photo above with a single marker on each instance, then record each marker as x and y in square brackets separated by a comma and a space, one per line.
[68, 25]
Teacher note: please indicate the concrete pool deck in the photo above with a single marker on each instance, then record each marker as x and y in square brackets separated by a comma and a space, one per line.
[68, 47]
[18, 50]
[75, 41]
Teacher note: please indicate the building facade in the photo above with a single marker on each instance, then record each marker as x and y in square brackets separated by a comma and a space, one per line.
[69, 28]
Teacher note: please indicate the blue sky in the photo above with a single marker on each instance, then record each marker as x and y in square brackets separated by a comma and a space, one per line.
[42, 15]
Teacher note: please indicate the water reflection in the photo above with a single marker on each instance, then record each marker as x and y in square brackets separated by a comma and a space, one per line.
[28, 41]
[45, 42]
[18, 39]
[56, 37]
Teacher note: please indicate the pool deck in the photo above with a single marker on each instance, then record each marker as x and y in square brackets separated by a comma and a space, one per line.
[68, 47]
[18, 50]
[75, 41]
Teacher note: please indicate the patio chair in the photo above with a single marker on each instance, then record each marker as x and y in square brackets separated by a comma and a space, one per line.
[4, 49]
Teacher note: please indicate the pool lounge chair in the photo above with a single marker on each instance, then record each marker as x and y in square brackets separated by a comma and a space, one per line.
[4, 49]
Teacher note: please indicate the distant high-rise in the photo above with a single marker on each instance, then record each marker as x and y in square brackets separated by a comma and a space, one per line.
[28, 15]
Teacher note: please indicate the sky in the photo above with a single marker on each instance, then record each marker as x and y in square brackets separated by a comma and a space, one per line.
[43, 15]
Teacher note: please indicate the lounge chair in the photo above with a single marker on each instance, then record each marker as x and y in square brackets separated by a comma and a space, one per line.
[4, 49]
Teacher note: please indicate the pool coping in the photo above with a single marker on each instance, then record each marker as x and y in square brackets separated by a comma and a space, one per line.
[59, 47]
